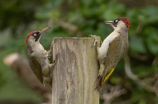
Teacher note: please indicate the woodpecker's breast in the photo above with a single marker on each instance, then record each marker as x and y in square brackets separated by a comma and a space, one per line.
[37, 50]
[40, 51]
[102, 51]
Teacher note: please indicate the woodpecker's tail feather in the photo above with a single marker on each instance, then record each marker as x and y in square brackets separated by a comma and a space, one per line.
[107, 76]
[98, 83]
[101, 80]
[50, 84]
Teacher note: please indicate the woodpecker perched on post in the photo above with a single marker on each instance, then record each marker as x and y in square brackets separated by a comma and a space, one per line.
[112, 49]
[38, 57]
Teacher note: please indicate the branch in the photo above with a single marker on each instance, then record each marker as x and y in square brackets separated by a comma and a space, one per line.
[22, 68]
[155, 62]
[115, 91]
[73, 29]
[132, 76]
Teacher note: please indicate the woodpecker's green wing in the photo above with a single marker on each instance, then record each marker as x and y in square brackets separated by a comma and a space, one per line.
[36, 68]
[113, 56]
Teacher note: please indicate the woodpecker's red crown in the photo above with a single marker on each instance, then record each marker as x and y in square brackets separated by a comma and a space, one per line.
[30, 35]
[37, 34]
[126, 21]
[114, 23]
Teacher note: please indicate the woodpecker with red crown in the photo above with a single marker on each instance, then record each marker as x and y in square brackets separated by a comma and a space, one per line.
[38, 57]
[112, 49]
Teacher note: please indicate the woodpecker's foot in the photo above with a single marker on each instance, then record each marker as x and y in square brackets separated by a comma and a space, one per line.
[56, 57]
[54, 61]
[49, 53]
[44, 84]
[101, 70]
[95, 40]
[47, 80]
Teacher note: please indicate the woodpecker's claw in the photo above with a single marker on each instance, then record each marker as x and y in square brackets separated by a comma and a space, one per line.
[44, 84]
[49, 53]
[54, 61]
[95, 40]
[56, 57]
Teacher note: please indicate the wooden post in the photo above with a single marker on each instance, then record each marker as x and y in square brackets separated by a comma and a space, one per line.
[75, 72]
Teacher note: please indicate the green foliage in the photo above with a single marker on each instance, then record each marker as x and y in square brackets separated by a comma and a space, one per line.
[18, 18]
[17, 13]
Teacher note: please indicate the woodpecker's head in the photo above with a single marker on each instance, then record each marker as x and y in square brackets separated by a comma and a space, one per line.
[36, 35]
[122, 22]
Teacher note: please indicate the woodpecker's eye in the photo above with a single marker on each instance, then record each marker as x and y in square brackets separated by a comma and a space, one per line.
[34, 34]
[116, 21]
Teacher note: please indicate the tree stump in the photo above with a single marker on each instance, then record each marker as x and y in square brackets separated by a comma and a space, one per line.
[75, 71]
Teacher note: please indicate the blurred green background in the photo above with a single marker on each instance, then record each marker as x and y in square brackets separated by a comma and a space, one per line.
[79, 18]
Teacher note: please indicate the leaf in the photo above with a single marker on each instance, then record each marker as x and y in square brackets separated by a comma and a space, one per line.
[86, 2]
[137, 45]
[152, 43]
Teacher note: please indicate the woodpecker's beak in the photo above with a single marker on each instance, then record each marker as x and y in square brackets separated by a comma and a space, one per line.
[44, 30]
[109, 22]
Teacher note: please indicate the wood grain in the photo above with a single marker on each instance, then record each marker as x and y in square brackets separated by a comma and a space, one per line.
[75, 72]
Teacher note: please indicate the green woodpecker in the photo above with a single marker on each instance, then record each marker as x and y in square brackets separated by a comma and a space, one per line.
[112, 49]
[38, 57]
